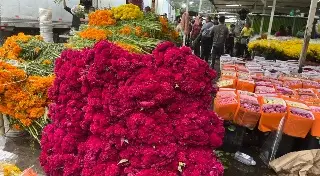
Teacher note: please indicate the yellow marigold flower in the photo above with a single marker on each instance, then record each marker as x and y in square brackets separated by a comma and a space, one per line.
[37, 49]
[127, 12]
[10, 170]
[46, 62]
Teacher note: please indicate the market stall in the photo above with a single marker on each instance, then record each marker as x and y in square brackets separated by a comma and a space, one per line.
[259, 93]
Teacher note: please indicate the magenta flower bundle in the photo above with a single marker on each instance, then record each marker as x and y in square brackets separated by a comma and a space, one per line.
[116, 113]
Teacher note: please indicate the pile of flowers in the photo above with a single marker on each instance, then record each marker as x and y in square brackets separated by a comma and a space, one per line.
[26, 69]
[118, 113]
[125, 24]
[24, 98]
[127, 12]
[284, 49]
[101, 18]
[95, 34]
[11, 48]
[31, 53]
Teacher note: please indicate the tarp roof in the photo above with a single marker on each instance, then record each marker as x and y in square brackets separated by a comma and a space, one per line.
[255, 6]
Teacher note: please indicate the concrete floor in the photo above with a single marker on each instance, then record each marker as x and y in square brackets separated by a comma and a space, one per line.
[27, 152]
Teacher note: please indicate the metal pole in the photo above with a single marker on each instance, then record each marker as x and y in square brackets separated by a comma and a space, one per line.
[307, 33]
[272, 14]
[262, 18]
[293, 27]
[200, 4]
[184, 35]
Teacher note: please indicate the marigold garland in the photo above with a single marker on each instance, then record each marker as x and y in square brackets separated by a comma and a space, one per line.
[127, 12]
[101, 18]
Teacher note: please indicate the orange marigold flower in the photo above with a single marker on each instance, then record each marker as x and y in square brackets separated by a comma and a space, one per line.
[37, 49]
[138, 31]
[95, 34]
[16, 126]
[101, 18]
[46, 62]
[126, 30]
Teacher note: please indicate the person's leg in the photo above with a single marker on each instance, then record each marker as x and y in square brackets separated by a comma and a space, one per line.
[214, 55]
[246, 52]
[203, 48]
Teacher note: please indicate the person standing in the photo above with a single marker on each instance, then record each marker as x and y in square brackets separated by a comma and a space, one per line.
[245, 35]
[230, 40]
[215, 21]
[220, 33]
[206, 39]
[282, 32]
[76, 20]
[195, 32]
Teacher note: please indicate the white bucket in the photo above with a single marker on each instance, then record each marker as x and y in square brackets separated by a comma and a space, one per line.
[47, 36]
[45, 15]
[46, 29]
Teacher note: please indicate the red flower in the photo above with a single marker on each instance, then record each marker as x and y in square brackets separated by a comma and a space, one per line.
[116, 113]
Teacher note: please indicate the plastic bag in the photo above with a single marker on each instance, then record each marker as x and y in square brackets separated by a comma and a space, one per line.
[244, 75]
[272, 111]
[310, 84]
[29, 172]
[271, 145]
[315, 129]
[297, 125]
[248, 111]
[285, 91]
[226, 107]
[293, 83]
[264, 89]
[245, 85]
